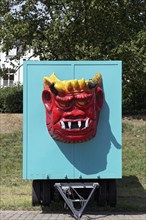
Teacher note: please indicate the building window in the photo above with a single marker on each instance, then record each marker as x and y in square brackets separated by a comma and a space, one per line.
[5, 80]
[8, 80]
[11, 80]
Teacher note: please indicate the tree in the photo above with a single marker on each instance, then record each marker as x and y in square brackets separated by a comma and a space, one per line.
[4, 71]
[80, 30]
[134, 72]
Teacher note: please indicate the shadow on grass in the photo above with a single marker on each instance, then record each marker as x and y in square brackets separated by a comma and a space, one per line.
[131, 194]
[137, 117]
[131, 199]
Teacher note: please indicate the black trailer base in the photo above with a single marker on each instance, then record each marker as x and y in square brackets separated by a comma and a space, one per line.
[76, 193]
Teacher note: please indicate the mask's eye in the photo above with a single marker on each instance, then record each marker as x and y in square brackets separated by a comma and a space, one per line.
[64, 105]
[83, 102]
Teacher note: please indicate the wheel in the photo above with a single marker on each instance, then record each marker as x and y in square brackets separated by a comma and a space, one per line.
[46, 193]
[56, 195]
[102, 194]
[36, 192]
[111, 192]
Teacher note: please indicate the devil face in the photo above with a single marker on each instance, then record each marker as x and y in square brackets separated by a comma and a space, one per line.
[72, 117]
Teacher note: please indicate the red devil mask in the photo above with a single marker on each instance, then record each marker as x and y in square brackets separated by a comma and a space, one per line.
[72, 107]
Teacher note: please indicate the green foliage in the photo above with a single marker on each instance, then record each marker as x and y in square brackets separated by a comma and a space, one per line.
[134, 73]
[4, 71]
[82, 30]
[11, 99]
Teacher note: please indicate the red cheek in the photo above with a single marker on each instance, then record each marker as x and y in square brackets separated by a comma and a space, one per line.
[90, 111]
[56, 114]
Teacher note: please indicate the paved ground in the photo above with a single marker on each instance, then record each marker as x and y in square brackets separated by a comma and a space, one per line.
[37, 215]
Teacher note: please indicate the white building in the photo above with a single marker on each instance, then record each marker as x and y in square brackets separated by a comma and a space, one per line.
[14, 77]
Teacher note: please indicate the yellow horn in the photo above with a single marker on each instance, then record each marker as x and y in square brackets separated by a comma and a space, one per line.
[72, 85]
[97, 78]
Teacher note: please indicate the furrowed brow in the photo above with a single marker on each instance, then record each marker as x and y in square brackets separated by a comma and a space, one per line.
[64, 99]
[83, 96]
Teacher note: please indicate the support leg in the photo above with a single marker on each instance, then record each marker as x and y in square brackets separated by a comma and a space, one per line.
[69, 193]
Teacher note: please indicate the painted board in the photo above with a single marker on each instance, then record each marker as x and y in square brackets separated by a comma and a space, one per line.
[45, 158]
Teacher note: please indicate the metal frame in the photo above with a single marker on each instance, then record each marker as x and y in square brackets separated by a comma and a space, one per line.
[68, 192]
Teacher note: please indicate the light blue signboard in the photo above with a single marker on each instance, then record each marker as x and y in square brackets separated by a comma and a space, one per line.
[45, 158]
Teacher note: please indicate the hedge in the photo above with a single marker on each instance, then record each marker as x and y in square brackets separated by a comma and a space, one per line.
[11, 99]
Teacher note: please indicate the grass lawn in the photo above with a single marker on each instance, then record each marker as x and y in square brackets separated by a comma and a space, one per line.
[16, 193]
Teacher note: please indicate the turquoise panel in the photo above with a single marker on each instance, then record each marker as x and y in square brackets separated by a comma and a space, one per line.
[44, 157]
[101, 156]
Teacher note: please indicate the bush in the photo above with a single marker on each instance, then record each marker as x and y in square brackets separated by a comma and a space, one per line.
[11, 99]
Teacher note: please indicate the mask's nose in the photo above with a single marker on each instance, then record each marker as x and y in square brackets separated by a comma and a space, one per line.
[75, 113]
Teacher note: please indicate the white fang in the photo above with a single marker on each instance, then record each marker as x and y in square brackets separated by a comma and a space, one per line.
[86, 123]
[79, 124]
[69, 124]
[62, 124]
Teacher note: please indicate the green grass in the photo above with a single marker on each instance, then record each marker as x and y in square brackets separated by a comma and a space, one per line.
[16, 193]
[134, 150]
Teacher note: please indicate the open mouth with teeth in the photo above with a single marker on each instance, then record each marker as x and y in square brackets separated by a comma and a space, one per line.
[74, 124]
